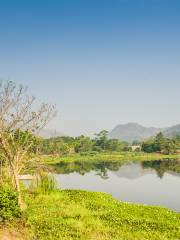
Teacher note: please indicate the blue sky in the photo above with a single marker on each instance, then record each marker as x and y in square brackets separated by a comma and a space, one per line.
[102, 62]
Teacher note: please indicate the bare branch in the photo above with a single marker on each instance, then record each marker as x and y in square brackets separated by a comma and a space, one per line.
[20, 120]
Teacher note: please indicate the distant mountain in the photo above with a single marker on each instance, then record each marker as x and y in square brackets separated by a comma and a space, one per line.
[172, 131]
[49, 133]
[133, 132]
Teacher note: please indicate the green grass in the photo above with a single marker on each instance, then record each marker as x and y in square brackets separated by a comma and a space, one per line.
[74, 214]
[122, 157]
[82, 215]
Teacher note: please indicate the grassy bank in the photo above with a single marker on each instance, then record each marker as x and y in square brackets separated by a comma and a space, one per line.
[122, 157]
[73, 214]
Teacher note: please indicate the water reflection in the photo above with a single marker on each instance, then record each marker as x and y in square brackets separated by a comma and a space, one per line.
[148, 182]
[101, 168]
[163, 166]
[130, 169]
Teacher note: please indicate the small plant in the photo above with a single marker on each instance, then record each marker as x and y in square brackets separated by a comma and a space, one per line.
[44, 183]
[9, 208]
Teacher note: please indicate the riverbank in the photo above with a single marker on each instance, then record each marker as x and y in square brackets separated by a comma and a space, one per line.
[73, 214]
[83, 215]
[108, 157]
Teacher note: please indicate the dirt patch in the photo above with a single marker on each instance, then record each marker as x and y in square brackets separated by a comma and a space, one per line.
[11, 234]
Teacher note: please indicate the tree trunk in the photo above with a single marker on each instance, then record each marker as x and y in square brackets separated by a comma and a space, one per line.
[17, 186]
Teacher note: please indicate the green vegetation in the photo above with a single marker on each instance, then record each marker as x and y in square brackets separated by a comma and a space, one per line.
[64, 146]
[72, 214]
[20, 122]
[9, 208]
[69, 145]
[53, 214]
[162, 144]
[108, 157]
[44, 183]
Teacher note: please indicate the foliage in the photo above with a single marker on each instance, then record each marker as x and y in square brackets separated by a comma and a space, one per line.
[113, 145]
[67, 145]
[64, 146]
[54, 146]
[20, 120]
[73, 215]
[83, 144]
[161, 144]
[101, 139]
[9, 208]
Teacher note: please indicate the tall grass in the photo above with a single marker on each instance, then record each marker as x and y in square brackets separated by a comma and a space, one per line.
[44, 183]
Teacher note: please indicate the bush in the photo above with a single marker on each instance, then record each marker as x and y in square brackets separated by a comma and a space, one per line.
[9, 208]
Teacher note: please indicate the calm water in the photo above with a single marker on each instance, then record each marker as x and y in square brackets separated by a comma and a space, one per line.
[152, 183]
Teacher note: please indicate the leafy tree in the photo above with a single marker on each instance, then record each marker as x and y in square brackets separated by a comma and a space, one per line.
[101, 139]
[20, 120]
[148, 147]
[113, 145]
[161, 144]
[83, 144]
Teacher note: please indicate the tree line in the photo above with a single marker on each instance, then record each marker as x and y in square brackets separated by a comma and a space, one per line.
[100, 143]
[67, 145]
[162, 144]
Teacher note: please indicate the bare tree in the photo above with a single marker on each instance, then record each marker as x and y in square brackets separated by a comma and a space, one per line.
[20, 121]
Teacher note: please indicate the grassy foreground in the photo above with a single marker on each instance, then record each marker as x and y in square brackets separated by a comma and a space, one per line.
[74, 214]
[122, 157]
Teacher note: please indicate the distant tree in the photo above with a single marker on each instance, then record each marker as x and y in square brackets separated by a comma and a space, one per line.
[83, 144]
[67, 139]
[113, 145]
[101, 139]
[160, 144]
[148, 147]
[135, 143]
[54, 146]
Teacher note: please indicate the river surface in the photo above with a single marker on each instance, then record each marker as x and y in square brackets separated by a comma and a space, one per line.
[150, 182]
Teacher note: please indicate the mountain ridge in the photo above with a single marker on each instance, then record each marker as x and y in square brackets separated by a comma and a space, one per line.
[135, 132]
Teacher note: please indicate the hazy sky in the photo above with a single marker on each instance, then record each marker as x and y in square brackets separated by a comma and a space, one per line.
[102, 62]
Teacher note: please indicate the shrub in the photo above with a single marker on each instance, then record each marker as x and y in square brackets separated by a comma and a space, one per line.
[9, 208]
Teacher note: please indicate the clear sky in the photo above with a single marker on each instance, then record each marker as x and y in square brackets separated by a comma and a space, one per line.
[102, 62]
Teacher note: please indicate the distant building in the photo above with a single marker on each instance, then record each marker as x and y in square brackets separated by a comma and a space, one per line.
[136, 147]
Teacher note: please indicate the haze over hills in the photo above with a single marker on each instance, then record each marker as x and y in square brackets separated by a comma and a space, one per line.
[172, 131]
[132, 131]
[50, 133]
[125, 132]
[135, 132]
